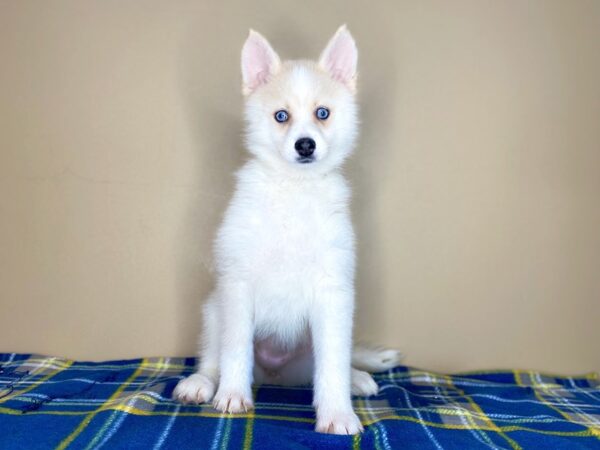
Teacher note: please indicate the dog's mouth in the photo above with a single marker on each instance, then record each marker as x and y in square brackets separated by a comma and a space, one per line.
[305, 159]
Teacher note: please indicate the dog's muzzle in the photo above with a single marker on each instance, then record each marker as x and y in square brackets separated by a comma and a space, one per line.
[305, 147]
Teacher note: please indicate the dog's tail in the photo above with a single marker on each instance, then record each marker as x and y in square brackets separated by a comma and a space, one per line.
[372, 358]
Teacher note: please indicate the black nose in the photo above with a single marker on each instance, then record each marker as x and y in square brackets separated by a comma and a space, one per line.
[305, 147]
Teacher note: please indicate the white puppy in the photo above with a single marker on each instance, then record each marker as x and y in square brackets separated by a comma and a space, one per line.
[282, 308]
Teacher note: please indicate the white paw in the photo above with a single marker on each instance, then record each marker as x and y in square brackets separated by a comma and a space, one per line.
[375, 359]
[363, 383]
[338, 422]
[196, 388]
[232, 402]
[389, 357]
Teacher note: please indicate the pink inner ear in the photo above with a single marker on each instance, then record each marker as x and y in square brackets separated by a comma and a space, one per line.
[261, 78]
[340, 57]
[257, 62]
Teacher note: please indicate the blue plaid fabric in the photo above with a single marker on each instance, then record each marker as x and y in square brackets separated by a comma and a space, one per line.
[48, 402]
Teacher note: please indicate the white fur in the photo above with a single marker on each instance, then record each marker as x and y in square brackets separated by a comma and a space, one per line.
[284, 253]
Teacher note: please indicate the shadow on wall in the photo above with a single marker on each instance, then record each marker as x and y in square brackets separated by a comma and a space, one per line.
[212, 99]
[377, 91]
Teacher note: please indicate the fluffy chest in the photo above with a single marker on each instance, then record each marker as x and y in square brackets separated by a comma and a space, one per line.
[285, 230]
[283, 239]
[293, 230]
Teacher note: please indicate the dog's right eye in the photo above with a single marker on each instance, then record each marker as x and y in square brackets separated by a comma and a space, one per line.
[281, 116]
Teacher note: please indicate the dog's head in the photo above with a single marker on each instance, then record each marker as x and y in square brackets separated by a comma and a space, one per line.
[301, 115]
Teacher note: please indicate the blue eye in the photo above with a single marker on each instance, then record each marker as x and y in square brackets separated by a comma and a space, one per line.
[322, 113]
[281, 116]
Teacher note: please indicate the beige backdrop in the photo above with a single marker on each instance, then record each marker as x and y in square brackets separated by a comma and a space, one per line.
[476, 180]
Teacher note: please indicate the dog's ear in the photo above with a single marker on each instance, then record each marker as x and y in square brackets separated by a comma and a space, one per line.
[259, 62]
[339, 58]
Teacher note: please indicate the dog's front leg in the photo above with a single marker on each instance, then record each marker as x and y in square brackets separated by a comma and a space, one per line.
[234, 394]
[331, 327]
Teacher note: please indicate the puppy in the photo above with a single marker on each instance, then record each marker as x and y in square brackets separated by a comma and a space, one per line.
[281, 311]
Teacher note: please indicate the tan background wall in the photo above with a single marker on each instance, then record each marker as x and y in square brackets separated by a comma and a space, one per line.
[476, 181]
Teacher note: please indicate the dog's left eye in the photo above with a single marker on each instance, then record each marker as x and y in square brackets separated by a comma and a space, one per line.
[281, 116]
[322, 113]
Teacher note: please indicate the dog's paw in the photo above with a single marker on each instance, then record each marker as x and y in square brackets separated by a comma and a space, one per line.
[389, 357]
[375, 359]
[196, 389]
[338, 422]
[363, 383]
[232, 402]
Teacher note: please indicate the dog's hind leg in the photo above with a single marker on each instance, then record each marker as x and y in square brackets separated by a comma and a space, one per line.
[362, 383]
[367, 359]
[200, 386]
[374, 359]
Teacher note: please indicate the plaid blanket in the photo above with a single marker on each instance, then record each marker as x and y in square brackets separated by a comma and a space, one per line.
[48, 402]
